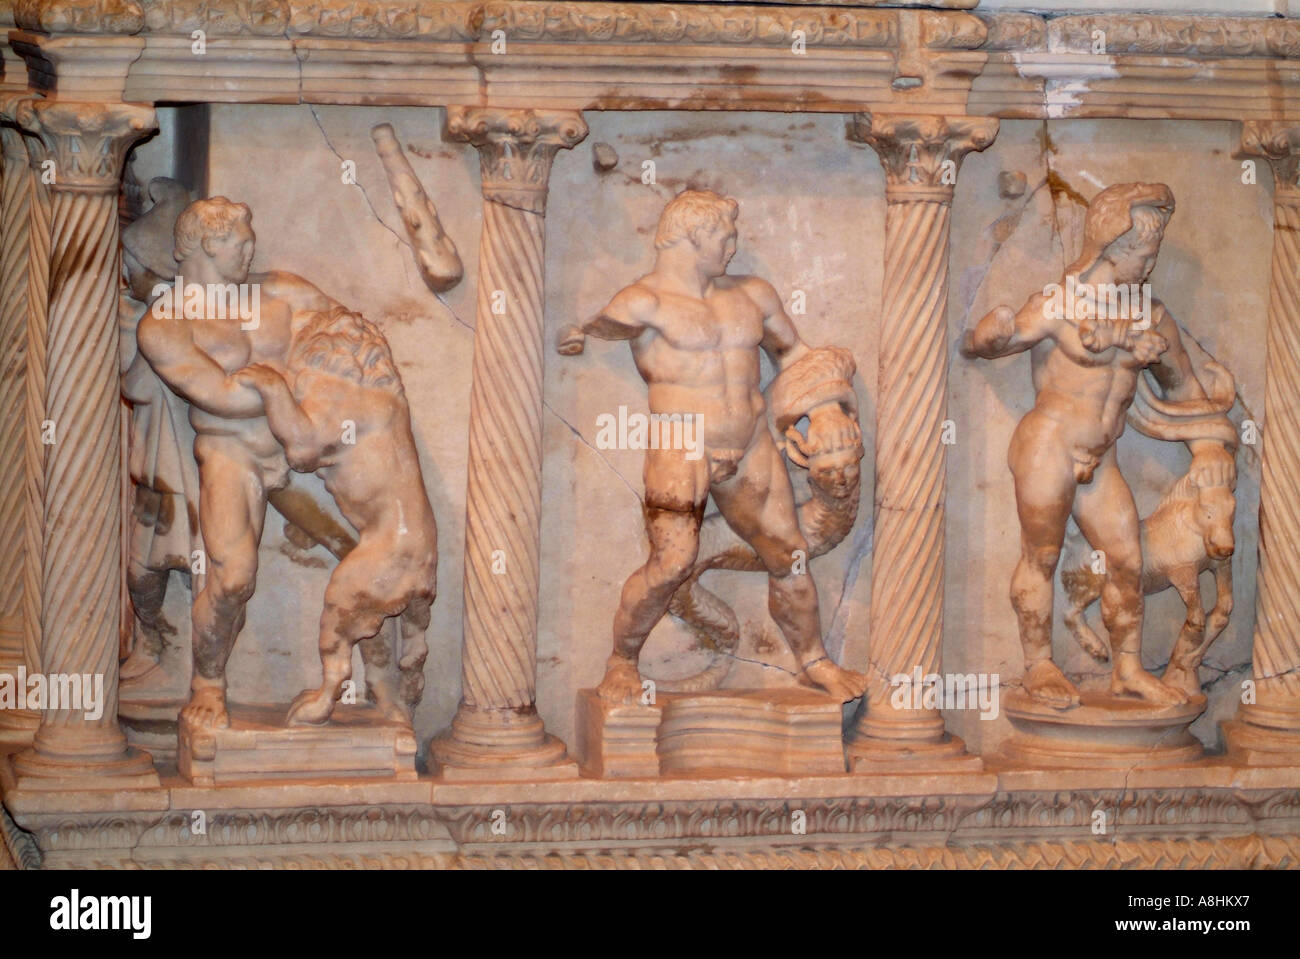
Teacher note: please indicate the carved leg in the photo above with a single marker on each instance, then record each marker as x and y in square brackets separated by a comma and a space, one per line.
[1185, 659]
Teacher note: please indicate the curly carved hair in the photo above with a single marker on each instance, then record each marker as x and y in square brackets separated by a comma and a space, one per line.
[347, 345]
[692, 211]
[216, 217]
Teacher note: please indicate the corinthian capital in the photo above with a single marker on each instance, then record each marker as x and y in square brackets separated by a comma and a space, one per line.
[86, 141]
[922, 154]
[516, 147]
[1277, 141]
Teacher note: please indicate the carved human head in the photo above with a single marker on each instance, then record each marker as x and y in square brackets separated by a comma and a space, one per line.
[836, 470]
[220, 231]
[1125, 225]
[707, 221]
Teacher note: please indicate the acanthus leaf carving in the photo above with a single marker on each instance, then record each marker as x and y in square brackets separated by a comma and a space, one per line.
[916, 150]
[516, 148]
[87, 141]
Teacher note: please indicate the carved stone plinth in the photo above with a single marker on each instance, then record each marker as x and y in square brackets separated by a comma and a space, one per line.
[1236, 817]
[920, 753]
[150, 724]
[747, 732]
[786, 732]
[1263, 736]
[1105, 732]
[357, 743]
[616, 740]
[512, 745]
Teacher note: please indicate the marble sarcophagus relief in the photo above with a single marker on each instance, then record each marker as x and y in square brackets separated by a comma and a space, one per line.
[324, 494]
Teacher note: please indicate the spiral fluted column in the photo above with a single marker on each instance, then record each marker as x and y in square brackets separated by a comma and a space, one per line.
[497, 730]
[81, 563]
[38, 303]
[1267, 731]
[921, 157]
[16, 726]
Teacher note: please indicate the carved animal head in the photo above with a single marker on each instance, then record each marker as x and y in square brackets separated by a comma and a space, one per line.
[1215, 510]
[347, 345]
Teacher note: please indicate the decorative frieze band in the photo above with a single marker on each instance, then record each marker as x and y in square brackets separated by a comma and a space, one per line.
[583, 21]
[1233, 828]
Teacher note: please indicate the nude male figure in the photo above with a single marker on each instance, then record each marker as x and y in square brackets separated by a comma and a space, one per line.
[695, 334]
[1062, 454]
[341, 370]
[240, 461]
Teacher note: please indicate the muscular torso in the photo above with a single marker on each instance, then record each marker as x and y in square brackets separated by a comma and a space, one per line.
[283, 296]
[701, 356]
[1088, 394]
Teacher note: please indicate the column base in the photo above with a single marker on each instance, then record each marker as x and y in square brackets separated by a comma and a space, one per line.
[949, 754]
[18, 726]
[495, 744]
[905, 744]
[132, 769]
[1264, 736]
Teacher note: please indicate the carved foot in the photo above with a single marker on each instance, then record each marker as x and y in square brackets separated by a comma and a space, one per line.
[312, 707]
[1129, 679]
[1047, 684]
[206, 709]
[622, 682]
[844, 684]
[1186, 678]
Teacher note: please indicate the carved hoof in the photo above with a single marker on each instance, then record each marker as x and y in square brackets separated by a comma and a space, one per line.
[1183, 678]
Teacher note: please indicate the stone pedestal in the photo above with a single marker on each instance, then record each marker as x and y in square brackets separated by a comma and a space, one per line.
[616, 740]
[357, 743]
[1105, 732]
[746, 732]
